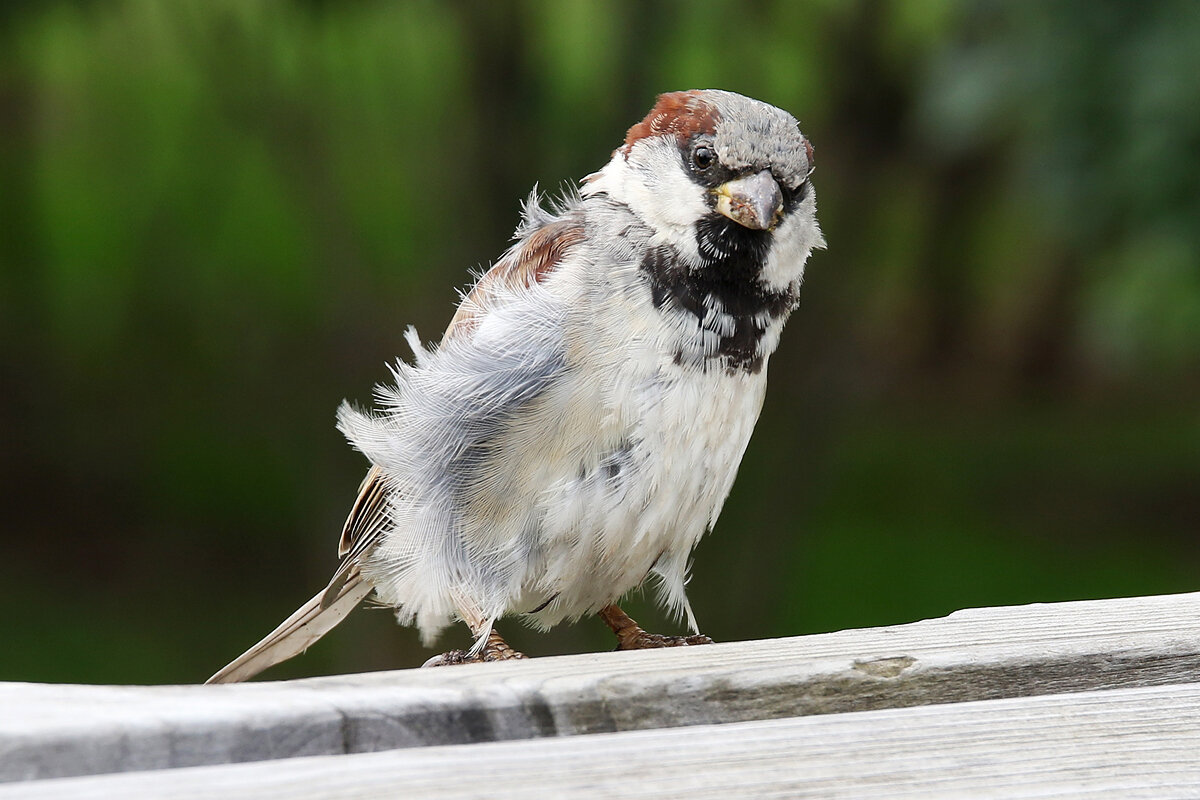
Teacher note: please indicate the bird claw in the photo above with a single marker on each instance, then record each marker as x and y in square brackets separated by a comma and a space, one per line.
[446, 659]
[641, 640]
[631, 636]
[496, 649]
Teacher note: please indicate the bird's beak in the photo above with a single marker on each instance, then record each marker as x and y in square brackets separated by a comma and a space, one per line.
[753, 202]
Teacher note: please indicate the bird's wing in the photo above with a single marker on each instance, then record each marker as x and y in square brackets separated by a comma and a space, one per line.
[364, 525]
[367, 515]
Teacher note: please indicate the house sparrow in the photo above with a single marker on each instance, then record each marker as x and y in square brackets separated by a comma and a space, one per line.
[581, 422]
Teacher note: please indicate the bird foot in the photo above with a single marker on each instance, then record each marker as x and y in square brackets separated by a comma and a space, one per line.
[631, 636]
[496, 649]
[641, 640]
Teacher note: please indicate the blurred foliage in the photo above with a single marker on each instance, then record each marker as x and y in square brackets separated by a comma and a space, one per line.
[219, 216]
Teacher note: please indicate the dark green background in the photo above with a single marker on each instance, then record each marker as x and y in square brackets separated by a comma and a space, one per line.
[217, 217]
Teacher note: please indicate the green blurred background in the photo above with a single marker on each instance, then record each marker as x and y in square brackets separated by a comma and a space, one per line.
[218, 216]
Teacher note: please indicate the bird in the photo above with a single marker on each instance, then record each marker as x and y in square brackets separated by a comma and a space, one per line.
[579, 425]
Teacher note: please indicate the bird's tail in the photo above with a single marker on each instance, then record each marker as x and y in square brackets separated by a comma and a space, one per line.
[311, 621]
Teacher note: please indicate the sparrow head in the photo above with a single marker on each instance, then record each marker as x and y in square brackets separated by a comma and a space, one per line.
[717, 174]
[748, 157]
[718, 186]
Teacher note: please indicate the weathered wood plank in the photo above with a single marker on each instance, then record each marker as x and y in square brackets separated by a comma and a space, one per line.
[1125, 743]
[51, 731]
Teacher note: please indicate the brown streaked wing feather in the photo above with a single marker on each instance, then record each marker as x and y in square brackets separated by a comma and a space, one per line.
[366, 522]
[363, 518]
[530, 262]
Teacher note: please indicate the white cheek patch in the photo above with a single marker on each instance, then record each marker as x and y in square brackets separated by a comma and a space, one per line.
[653, 183]
[795, 239]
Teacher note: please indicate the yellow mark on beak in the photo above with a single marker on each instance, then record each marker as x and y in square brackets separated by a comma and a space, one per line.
[754, 201]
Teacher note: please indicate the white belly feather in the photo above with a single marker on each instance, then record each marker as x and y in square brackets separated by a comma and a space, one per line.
[648, 494]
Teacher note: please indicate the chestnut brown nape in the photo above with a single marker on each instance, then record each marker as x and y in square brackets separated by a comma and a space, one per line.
[683, 114]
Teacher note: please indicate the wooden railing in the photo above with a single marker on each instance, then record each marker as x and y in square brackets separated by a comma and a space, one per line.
[1069, 699]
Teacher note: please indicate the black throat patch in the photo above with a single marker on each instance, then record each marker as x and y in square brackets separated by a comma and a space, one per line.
[723, 294]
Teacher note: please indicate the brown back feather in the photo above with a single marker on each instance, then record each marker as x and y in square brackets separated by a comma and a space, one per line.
[530, 262]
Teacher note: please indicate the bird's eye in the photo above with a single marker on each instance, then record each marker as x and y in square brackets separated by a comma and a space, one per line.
[703, 156]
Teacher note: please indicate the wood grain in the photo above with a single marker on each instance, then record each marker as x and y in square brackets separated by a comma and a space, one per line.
[51, 731]
[1121, 743]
